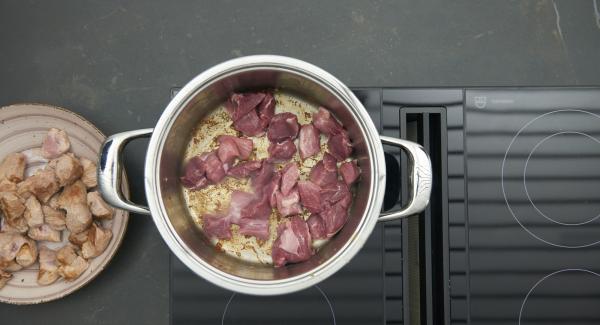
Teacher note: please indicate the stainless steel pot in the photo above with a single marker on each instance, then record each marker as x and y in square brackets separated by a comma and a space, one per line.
[165, 155]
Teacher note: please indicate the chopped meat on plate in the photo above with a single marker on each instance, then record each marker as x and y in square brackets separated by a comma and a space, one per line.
[55, 143]
[98, 207]
[48, 272]
[43, 184]
[89, 177]
[44, 232]
[12, 167]
[33, 213]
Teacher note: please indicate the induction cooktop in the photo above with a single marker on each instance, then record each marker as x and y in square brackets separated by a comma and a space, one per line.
[511, 236]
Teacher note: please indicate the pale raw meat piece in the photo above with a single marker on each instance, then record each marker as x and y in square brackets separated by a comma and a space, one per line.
[75, 193]
[78, 218]
[98, 239]
[350, 172]
[324, 172]
[293, 243]
[27, 254]
[309, 141]
[10, 244]
[231, 147]
[43, 184]
[289, 177]
[12, 167]
[55, 143]
[283, 126]
[89, 177]
[254, 219]
[310, 196]
[55, 218]
[316, 227]
[98, 207]
[7, 186]
[71, 264]
[239, 200]
[4, 278]
[33, 213]
[281, 151]
[11, 205]
[44, 232]
[326, 123]
[79, 238]
[67, 169]
[48, 272]
[339, 146]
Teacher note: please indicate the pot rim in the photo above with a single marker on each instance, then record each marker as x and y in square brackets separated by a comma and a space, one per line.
[205, 269]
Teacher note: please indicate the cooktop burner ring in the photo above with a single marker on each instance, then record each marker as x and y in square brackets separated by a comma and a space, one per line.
[323, 294]
[546, 277]
[531, 201]
[504, 190]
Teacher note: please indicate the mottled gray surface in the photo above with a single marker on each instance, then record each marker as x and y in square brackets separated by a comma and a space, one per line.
[114, 63]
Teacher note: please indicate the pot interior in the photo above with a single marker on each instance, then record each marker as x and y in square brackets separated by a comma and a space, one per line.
[203, 100]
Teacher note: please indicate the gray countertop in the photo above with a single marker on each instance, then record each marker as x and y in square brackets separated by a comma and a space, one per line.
[114, 63]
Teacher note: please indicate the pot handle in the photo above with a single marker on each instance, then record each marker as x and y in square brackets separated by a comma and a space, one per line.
[110, 170]
[419, 178]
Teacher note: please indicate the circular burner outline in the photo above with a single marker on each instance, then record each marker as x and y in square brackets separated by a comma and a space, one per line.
[546, 277]
[316, 286]
[502, 178]
[525, 179]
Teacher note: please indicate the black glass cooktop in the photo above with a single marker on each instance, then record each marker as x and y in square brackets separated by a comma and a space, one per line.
[511, 235]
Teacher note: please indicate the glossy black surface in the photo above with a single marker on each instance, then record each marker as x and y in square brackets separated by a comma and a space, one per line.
[533, 203]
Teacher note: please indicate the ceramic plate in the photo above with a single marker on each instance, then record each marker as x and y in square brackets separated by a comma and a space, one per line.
[22, 128]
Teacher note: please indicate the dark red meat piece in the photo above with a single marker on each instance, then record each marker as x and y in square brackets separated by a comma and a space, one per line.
[244, 146]
[309, 141]
[244, 169]
[310, 196]
[289, 204]
[214, 168]
[289, 177]
[334, 193]
[194, 176]
[266, 110]
[262, 177]
[334, 218]
[325, 171]
[216, 226]
[242, 104]
[279, 152]
[272, 189]
[249, 124]
[326, 123]
[316, 226]
[228, 149]
[293, 243]
[350, 172]
[283, 126]
[339, 146]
